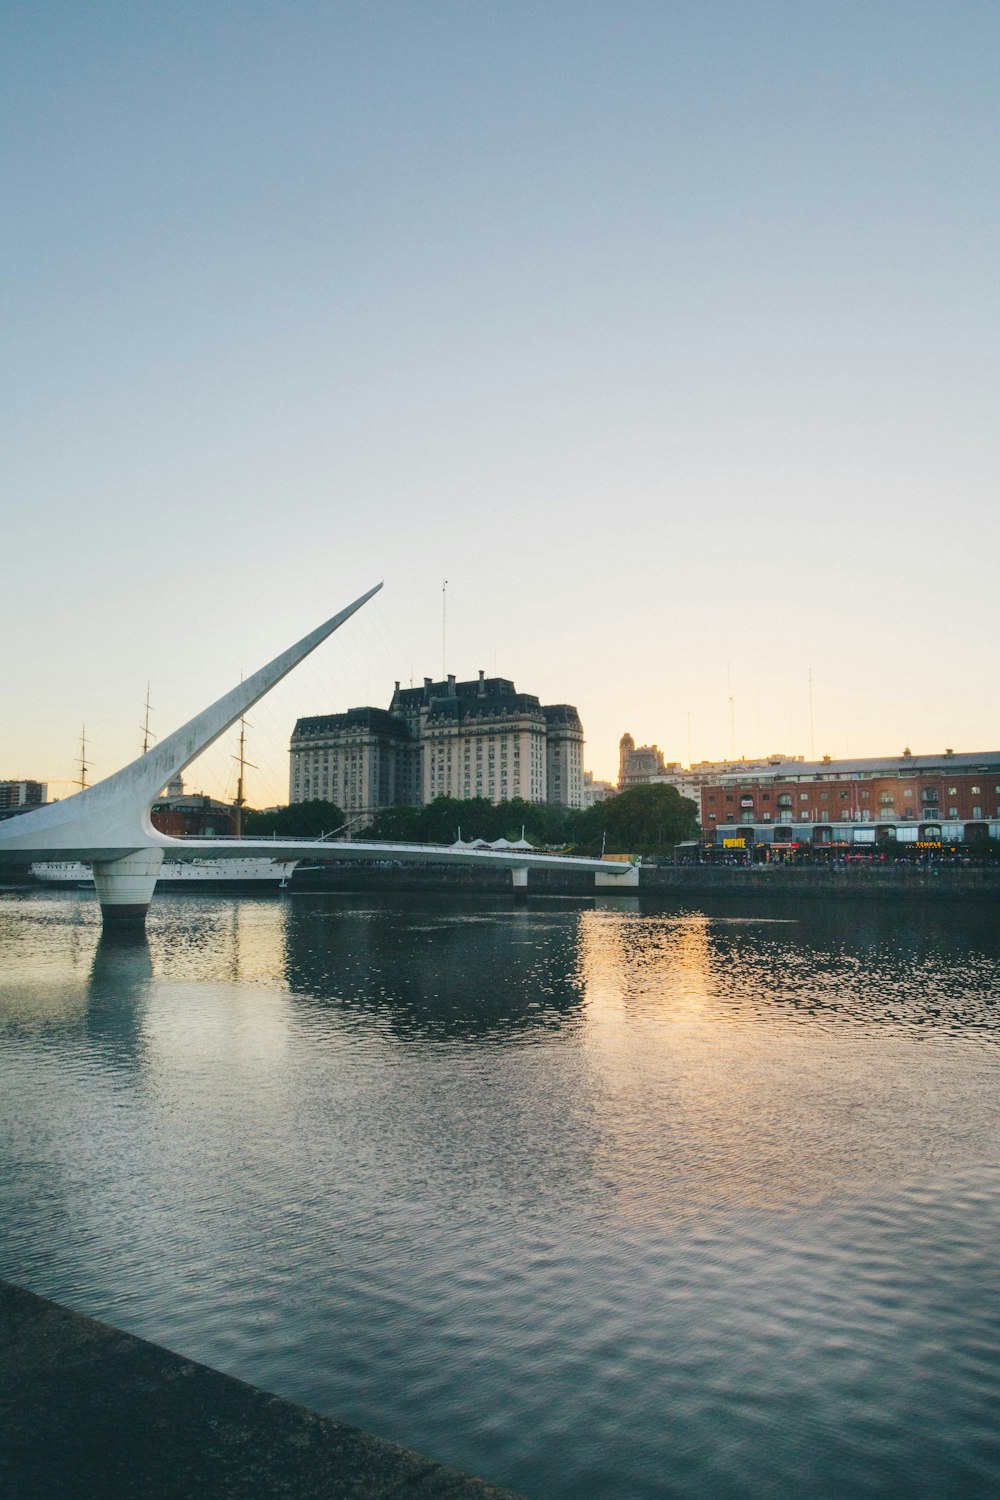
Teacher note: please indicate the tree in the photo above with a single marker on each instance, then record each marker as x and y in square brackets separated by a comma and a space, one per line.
[300, 820]
[440, 821]
[400, 822]
[641, 820]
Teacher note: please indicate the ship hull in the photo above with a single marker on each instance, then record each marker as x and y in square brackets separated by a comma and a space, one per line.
[204, 874]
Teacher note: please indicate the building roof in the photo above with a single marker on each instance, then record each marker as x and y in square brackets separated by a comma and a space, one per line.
[376, 720]
[413, 698]
[469, 710]
[189, 802]
[562, 716]
[967, 762]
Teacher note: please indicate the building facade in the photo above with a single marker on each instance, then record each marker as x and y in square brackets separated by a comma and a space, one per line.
[480, 738]
[925, 800]
[639, 765]
[192, 815]
[356, 759]
[644, 766]
[563, 755]
[22, 794]
[596, 791]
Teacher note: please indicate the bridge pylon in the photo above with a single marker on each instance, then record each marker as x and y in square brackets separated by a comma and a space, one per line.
[107, 825]
[125, 886]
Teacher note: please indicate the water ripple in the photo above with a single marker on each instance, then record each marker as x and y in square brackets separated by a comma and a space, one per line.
[595, 1202]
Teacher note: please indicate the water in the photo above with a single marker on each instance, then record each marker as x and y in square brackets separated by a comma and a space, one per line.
[604, 1202]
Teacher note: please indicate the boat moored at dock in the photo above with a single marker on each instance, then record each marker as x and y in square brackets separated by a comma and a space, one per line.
[200, 874]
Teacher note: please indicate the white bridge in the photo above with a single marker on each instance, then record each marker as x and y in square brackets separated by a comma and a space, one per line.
[108, 825]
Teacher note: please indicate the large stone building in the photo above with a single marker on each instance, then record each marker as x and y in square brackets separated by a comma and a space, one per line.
[640, 765]
[445, 739]
[563, 755]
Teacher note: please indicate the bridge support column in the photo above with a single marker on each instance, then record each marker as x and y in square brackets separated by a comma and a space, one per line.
[519, 876]
[125, 886]
[628, 879]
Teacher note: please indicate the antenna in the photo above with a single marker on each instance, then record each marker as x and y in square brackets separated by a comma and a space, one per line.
[812, 728]
[444, 630]
[84, 768]
[147, 733]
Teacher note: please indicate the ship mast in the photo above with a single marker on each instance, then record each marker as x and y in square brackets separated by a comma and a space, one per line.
[242, 762]
[84, 768]
[147, 733]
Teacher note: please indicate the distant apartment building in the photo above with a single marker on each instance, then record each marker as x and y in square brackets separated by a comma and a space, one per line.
[644, 766]
[596, 791]
[15, 794]
[480, 738]
[928, 800]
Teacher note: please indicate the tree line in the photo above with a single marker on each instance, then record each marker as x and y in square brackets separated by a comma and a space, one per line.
[642, 820]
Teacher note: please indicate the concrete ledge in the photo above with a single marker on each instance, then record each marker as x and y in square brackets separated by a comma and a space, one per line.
[854, 882]
[87, 1411]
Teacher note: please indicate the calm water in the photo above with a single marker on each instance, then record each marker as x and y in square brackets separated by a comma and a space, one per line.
[605, 1202]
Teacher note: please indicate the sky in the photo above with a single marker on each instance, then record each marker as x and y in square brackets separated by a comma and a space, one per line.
[667, 333]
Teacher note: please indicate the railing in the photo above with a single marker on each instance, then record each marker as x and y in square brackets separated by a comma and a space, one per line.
[324, 839]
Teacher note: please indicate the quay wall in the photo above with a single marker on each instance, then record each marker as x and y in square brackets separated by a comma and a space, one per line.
[89, 1411]
[859, 882]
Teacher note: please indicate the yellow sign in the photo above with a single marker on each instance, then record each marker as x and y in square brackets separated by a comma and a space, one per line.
[734, 843]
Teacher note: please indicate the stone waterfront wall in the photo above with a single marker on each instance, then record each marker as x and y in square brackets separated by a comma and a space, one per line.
[863, 882]
[88, 1412]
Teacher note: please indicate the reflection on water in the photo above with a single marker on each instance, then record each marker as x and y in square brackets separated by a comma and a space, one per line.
[605, 1199]
[472, 974]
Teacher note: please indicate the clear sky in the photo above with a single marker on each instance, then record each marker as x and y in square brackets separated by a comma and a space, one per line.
[666, 332]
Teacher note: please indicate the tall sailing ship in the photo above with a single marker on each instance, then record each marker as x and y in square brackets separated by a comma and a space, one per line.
[253, 873]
